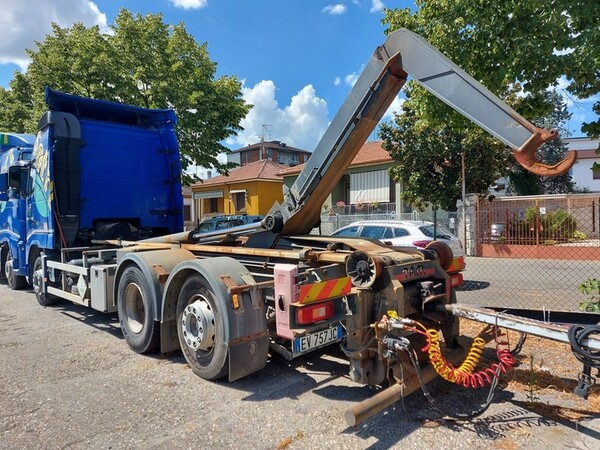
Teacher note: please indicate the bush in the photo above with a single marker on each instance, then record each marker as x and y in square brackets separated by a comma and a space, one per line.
[550, 228]
[579, 236]
[590, 287]
[559, 225]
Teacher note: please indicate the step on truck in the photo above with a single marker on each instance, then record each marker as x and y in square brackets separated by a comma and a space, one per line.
[229, 298]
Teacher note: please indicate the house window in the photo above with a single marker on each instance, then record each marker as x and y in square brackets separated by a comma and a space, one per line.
[187, 212]
[596, 173]
[371, 186]
[239, 201]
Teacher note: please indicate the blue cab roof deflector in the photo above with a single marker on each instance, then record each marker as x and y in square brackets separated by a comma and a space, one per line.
[86, 108]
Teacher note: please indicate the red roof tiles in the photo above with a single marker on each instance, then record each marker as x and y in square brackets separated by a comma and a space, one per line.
[264, 170]
[370, 153]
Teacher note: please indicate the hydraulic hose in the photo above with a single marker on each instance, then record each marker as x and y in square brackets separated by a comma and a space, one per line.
[465, 374]
[577, 334]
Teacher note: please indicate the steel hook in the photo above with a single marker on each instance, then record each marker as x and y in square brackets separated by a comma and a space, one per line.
[525, 155]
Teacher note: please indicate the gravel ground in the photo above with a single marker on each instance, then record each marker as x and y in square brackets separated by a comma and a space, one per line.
[68, 380]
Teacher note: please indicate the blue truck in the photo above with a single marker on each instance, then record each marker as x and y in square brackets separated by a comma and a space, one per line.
[95, 171]
[15, 150]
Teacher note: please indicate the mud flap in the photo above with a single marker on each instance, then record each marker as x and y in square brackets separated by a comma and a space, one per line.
[248, 355]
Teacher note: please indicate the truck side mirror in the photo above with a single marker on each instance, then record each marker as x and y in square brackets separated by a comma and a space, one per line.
[17, 178]
[3, 187]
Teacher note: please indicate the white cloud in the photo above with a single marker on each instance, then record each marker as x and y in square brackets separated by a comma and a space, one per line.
[352, 78]
[299, 124]
[335, 10]
[189, 4]
[376, 6]
[25, 21]
[337, 81]
[395, 108]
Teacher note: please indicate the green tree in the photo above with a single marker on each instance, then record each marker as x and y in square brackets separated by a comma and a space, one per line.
[516, 49]
[142, 62]
[509, 43]
[428, 158]
[15, 113]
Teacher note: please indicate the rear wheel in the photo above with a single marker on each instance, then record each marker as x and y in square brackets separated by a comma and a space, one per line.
[37, 278]
[136, 312]
[201, 329]
[14, 281]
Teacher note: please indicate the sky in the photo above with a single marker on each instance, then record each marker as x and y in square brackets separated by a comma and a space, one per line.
[297, 59]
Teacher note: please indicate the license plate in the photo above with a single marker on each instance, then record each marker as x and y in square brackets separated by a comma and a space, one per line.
[316, 340]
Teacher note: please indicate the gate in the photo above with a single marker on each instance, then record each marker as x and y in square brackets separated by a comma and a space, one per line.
[531, 252]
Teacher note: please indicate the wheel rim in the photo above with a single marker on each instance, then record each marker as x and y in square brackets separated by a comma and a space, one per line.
[36, 281]
[134, 308]
[198, 325]
[8, 269]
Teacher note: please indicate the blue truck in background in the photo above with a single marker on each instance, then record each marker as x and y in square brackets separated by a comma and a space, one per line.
[95, 171]
[15, 150]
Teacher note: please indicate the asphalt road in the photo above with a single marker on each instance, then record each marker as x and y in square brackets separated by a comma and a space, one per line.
[526, 283]
[68, 380]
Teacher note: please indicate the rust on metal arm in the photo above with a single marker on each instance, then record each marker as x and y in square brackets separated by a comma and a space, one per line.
[526, 155]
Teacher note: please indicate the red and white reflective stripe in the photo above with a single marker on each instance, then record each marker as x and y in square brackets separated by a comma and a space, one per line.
[323, 290]
[457, 265]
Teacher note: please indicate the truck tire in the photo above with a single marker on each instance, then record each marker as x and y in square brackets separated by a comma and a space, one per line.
[201, 329]
[136, 315]
[3, 256]
[43, 299]
[15, 282]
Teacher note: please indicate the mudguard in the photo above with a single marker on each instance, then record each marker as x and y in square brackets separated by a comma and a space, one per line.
[246, 333]
[155, 266]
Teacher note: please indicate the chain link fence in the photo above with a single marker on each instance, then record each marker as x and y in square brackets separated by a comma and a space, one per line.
[531, 252]
[521, 252]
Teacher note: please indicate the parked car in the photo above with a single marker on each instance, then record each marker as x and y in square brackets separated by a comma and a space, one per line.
[222, 222]
[498, 232]
[406, 233]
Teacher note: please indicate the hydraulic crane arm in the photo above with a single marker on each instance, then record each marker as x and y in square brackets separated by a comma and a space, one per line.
[403, 53]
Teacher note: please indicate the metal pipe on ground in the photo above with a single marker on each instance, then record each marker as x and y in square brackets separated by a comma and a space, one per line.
[380, 401]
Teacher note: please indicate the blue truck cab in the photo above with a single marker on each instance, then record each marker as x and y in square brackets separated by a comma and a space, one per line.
[96, 171]
[15, 150]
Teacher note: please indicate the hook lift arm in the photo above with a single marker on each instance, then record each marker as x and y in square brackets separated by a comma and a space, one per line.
[403, 53]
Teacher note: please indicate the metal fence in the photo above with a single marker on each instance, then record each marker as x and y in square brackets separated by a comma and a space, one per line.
[522, 252]
[530, 252]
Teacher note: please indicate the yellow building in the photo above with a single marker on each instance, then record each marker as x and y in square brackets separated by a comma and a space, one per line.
[250, 189]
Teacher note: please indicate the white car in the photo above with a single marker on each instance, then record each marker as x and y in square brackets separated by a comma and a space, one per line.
[406, 233]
